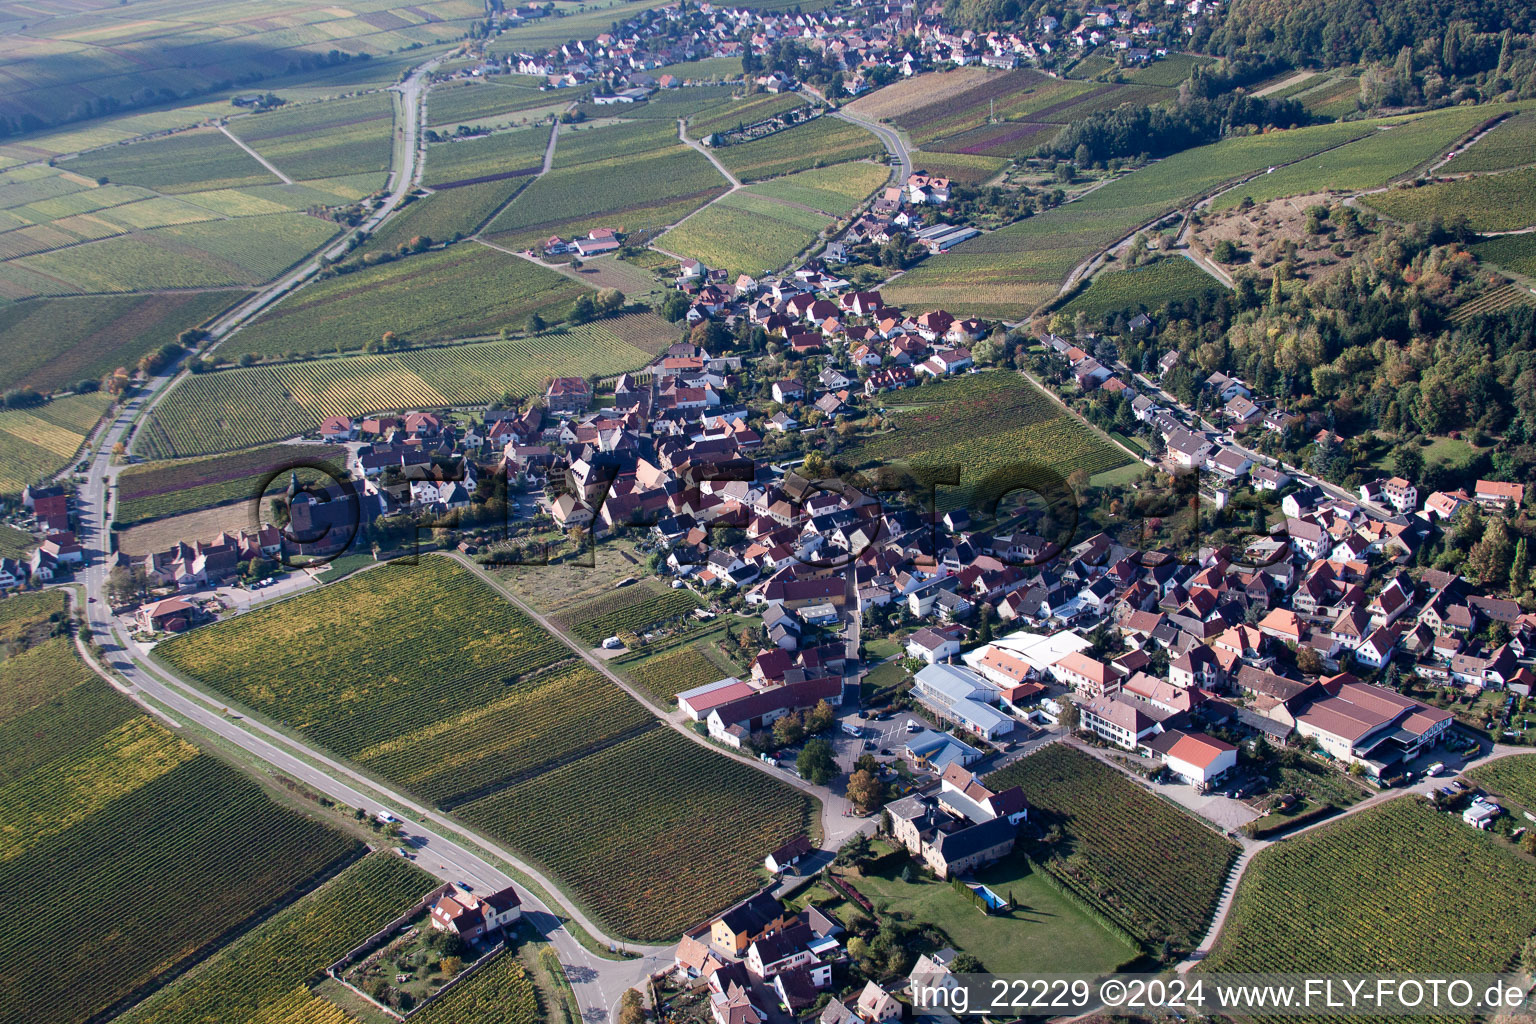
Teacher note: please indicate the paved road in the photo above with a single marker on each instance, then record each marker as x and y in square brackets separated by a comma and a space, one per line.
[597, 983]
[1252, 847]
[888, 137]
[406, 170]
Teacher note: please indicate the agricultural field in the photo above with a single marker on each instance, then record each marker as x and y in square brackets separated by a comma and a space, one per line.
[624, 825]
[964, 168]
[745, 234]
[729, 114]
[462, 291]
[584, 23]
[63, 63]
[446, 706]
[1010, 271]
[36, 443]
[1506, 146]
[322, 140]
[550, 719]
[1144, 288]
[1494, 300]
[502, 155]
[670, 104]
[903, 97]
[710, 69]
[1515, 253]
[1490, 202]
[632, 195]
[49, 344]
[192, 161]
[834, 190]
[446, 214]
[632, 609]
[1393, 149]
[954, 423]
[480, 99]
[1167, 71]
[1392, 910]
[155, 490]
[350, 678]
[15, 543]
[666, 675]
[609, 140]
[264, 975]
[1511, 777]
[1136, 858]
[239, 408]
[209, 254]
[1335, 97]
[995, 113]
[826, 140]
[128, 828]
[501, 992]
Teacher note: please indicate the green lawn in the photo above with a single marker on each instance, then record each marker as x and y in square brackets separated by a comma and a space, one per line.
[1044, 933]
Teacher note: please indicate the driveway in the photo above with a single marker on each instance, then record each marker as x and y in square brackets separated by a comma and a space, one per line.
[1213, 806]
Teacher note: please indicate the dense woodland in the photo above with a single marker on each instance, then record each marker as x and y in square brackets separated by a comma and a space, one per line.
[1142, 131]
[1372, 348]
[1335, 32]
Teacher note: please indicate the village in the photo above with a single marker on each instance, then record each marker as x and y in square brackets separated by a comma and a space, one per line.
[865, 44]
[1191, 671]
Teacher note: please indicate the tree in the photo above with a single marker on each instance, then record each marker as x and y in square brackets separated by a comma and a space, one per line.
[855, 852]
[965, 963]
[610, 300]
[1520, 569]
[1490, 558]
[820, 718]
[674, 306]
[1309, 661]
[536, 323]
[583, 309]
[450, 965]
[1070, 716]
[631, 1009]
[1408, 461]
[984, 352]
[789, 730]
[865, 790]
[815, 762]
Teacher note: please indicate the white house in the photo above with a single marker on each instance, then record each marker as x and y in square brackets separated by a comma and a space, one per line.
[1200, 760]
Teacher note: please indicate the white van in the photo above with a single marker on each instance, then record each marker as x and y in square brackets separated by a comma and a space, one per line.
[852, 730]
[913, 726]
[1434, 769]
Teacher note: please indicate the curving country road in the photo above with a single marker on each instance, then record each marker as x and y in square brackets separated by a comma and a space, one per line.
[597, 983]
[888, 137]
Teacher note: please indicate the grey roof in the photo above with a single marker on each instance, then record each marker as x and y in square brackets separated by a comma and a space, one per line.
[973, 840]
